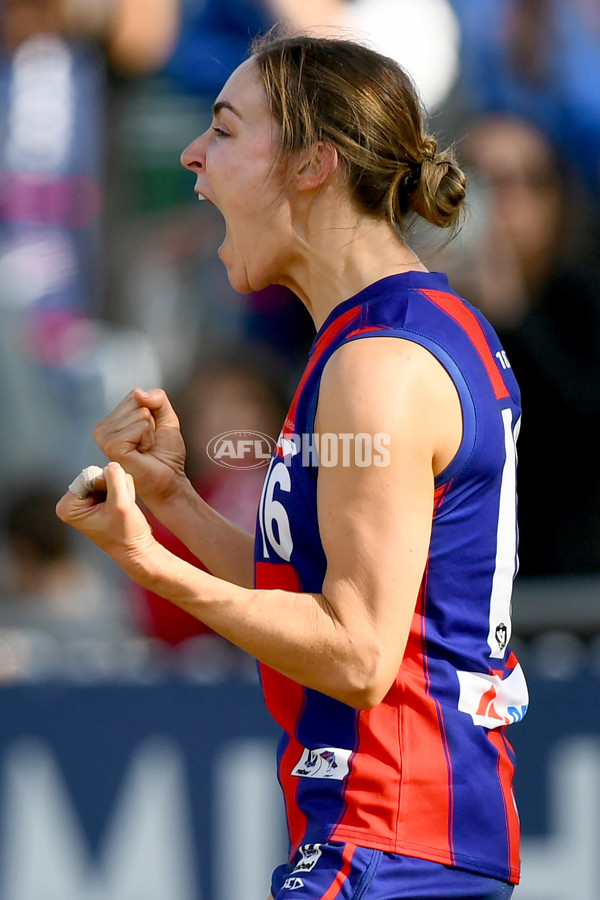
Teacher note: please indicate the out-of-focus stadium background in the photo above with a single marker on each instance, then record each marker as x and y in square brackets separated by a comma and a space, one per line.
[135, 755]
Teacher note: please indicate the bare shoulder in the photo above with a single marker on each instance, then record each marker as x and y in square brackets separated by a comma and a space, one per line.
[374, 381]
[374, 361]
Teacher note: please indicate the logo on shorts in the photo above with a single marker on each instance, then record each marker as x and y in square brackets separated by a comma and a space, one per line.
[323, 762]
[310, 857]
[293, 884]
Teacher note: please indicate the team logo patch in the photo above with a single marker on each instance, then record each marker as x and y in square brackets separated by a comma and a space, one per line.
[311, 854]
[323, 762]
[501, 635]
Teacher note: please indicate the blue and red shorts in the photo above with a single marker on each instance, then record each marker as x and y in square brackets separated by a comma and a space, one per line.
[338, 871]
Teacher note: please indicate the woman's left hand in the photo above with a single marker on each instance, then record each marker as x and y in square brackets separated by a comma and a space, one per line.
[111, 518]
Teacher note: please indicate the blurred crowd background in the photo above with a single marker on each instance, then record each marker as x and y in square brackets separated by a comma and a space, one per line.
[109, 279]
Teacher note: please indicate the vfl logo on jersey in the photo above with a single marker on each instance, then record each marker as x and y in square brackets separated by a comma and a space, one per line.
[292, 884]
[501, 633]
[324, 762]
[311, 854]
[491, 700]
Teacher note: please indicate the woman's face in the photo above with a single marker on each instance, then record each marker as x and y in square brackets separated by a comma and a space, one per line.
[525, 188]
[236, 168]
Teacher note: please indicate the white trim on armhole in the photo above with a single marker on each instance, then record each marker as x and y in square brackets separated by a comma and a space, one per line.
[506, 544]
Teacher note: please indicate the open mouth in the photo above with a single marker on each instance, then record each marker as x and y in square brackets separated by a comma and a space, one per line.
[202, 197]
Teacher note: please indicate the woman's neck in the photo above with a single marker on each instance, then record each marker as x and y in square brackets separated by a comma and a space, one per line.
[337, 256]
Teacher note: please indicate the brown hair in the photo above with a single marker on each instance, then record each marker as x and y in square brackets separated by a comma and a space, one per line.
[367, 107]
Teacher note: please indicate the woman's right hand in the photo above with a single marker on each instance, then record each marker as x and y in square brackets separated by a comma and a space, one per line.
[142, 434]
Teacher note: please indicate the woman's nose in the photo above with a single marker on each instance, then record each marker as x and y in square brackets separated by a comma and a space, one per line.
[194, 154]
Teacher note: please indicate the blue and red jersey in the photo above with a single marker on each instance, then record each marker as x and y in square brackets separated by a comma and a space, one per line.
[428, 771]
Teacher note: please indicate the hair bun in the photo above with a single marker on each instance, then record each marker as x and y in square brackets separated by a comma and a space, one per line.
[442, 187]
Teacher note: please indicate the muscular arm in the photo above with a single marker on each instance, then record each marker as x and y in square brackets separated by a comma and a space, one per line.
[226, 550]
[375, 525]
[375, 522]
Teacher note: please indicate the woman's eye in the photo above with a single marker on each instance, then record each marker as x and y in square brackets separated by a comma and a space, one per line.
[219, 131]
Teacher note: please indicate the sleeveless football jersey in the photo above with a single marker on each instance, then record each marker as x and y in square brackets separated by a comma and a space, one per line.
[428, 771]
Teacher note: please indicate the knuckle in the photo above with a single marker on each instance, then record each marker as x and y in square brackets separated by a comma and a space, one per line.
[100, 436]
[103, 441]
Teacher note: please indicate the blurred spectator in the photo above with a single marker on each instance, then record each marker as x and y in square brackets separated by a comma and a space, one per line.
[45, 584]
[539, 59]
[240, 391]
[61, 367]
[115, 22]
[520, 261]
[199, 43]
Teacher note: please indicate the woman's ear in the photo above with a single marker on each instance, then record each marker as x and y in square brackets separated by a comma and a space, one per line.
[316, 166]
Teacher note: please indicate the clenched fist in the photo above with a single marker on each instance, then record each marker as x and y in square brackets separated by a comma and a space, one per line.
[110, 517]
[142, 434]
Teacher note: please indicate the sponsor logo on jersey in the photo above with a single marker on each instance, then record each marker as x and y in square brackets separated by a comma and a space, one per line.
[311, 854]
[292, 884]
[493, 700]
[323, 762]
